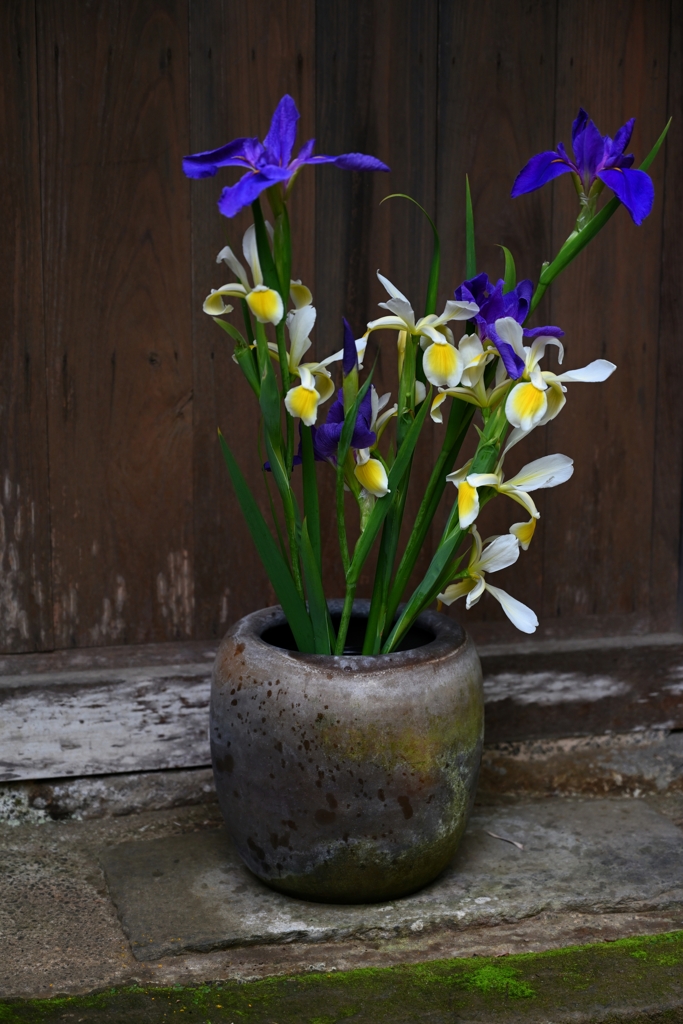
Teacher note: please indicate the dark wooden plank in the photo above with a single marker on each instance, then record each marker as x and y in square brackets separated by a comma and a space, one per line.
[613, 62]
[496, 109]
[96, 711]
[665, 571]
[244, 57]
[25, 583]
[114, 125]
[376, 93]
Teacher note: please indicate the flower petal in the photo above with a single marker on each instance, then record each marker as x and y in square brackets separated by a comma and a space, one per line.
[324, 385]
[350, 162]
[401, 308]
[299, 324]
[511, 332]
[442, 365]
[266, 305]
[226, 255]
[373, 477]
[214, 304]
[634, 188]
[282, 132]
[499, 554]
[539, 170]
[475, 593]
[300, 294]
[468, 503]
[250, 250]
[520, 615]
[598, 370]
[393, 322]
[524, 533]
[235, 197]
[525, 406]
[302, 402]
[435, 411]
[539, 345]
[548, 471]
[522, 498]
[391, 288]
[235, 154]
[454, 591]
[456, 310]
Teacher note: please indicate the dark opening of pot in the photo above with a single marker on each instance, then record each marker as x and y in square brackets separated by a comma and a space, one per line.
[281, 636]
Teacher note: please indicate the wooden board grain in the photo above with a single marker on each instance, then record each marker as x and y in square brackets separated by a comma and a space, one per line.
[496, 109]
[244, 58]
[666, 596]
[113, 86]
[89, 713]
[611, 61]
[377, 94]
[25, 578]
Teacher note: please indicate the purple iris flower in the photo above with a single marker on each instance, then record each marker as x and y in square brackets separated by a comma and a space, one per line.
[327, 436]
[268, 162]
[494, 304]
[596, 157]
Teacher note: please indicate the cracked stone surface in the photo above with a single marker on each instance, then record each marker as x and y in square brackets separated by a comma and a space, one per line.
[193, 893]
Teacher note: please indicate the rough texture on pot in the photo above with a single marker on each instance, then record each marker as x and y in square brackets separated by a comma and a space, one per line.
[346, 779]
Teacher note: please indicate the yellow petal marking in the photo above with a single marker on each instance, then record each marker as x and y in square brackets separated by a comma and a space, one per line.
[468, 504]
[441, 364]
[300, 294]
[373, 477]
[214, 305]
[303, 403]
[266, 305]
[524, 532]
[454, 591]
[324, 385]
[526, 404]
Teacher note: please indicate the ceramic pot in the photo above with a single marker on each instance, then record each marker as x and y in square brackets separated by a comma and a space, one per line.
[346, 779]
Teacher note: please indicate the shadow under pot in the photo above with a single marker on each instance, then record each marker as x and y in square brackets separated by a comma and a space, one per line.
[346, 779]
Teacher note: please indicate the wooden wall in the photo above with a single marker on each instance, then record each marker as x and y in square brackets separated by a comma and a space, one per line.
[117, 524]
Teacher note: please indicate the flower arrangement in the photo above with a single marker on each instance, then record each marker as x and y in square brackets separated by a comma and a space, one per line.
[491, 379]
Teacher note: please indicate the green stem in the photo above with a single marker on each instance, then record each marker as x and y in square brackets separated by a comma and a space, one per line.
[385, 566]
[310, 485]
[345, 617]
[485, 459]
[341, 521]
[459, 419]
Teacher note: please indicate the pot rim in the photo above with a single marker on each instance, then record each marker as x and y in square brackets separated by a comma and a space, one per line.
[449, 639]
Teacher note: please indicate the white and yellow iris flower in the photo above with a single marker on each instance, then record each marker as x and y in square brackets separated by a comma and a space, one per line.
[303, 400]
[316, 384]
[499, 553]
[371, 474]
[442, 362]
[540, 394]
[548, 471]
[475, 360]
[265, 303]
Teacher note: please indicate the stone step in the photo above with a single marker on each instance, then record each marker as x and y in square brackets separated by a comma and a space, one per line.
[156, 910]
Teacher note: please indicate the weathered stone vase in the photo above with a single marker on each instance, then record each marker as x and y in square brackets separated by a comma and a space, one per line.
[346, 779]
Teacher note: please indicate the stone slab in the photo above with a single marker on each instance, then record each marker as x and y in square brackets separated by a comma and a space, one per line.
[192, 892]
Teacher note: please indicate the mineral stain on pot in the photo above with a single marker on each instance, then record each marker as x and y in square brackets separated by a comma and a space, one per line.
[359, 771]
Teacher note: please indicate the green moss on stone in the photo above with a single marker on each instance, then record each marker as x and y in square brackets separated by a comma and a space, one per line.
[628, 977]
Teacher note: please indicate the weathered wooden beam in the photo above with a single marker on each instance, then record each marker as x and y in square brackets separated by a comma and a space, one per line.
[104, 711]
